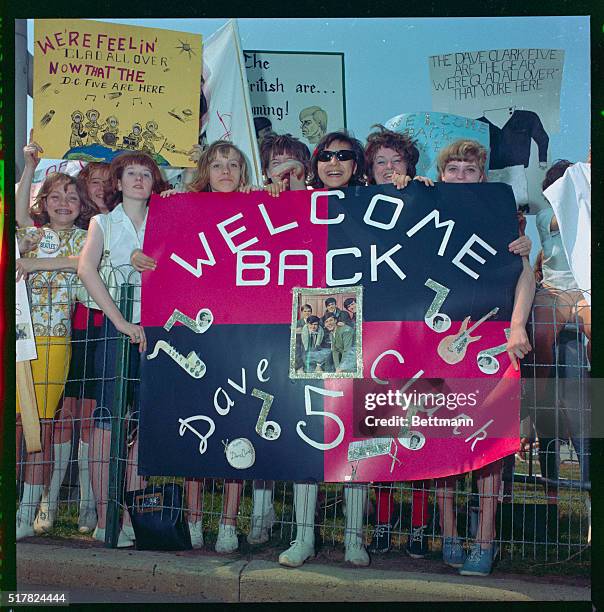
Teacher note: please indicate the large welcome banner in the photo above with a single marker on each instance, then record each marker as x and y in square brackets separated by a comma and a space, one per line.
[399, 372]
[102, 88]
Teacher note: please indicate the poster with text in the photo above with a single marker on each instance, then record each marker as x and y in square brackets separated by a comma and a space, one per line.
[103, 88]
[432, 131]
[357, 334]
[516, 93]
[301, 94]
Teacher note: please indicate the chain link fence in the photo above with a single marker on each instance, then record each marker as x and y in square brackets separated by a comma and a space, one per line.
[543, 505]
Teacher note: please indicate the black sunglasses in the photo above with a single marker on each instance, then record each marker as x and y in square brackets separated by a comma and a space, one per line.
[342, 155]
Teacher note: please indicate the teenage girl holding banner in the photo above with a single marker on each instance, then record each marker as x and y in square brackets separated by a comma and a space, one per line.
[134, 177]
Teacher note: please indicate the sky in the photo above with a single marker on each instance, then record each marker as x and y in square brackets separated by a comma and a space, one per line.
[386, 60]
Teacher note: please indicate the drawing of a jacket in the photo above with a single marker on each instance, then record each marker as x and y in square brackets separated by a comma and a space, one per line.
[511, 144]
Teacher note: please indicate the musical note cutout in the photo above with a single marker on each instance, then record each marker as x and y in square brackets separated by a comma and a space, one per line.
[434, 319]
[93, 96]
[269, 430]
[191, 364]
[452, 349]
[199, 325]
[114, 94]
[140, 100]
[486, 361]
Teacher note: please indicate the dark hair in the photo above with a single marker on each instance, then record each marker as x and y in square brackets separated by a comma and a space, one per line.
[349, 301]
[401, 143]
[313, 319]
[38, 210]
[330, 316]
[118, 165]
[281, 144]
[556, 171]
[359, 158]
[262, 122]
[304, 306]
[330, 300]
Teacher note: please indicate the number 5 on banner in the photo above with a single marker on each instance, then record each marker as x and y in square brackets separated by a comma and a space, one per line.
[311, 412]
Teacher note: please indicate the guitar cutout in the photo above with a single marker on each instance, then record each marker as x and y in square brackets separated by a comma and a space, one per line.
[435, 320]
[486, 361]
[452, 349]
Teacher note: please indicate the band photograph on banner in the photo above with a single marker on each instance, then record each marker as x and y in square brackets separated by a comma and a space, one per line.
[326, 333]
[301, 94]
[102, 88]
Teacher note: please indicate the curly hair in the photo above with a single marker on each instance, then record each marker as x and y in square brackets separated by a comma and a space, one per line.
[283, 144]
[405, 146]
[462, 150]
[117, 167]
[56, 180]
[221, 147]
[358, 177]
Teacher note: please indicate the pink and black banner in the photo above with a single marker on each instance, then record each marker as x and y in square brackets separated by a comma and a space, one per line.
[354, 334]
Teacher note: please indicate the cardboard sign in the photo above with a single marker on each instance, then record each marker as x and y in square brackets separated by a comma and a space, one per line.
[516, 94]
[103, 88]
[301, 94]
[434, 131]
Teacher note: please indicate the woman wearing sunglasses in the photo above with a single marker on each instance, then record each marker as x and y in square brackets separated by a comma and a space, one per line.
[338, 162]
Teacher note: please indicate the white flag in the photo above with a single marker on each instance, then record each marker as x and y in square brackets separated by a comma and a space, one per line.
[229, 115]
[570, 197]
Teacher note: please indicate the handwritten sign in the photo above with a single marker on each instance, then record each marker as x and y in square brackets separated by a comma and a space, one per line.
[299, 93]
[471, 82]
[102, 88]
[434, 131]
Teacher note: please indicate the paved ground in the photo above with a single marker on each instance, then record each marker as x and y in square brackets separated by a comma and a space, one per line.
[92, 571]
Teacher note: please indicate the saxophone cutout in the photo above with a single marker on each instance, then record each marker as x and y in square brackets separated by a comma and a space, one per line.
[191, 364]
